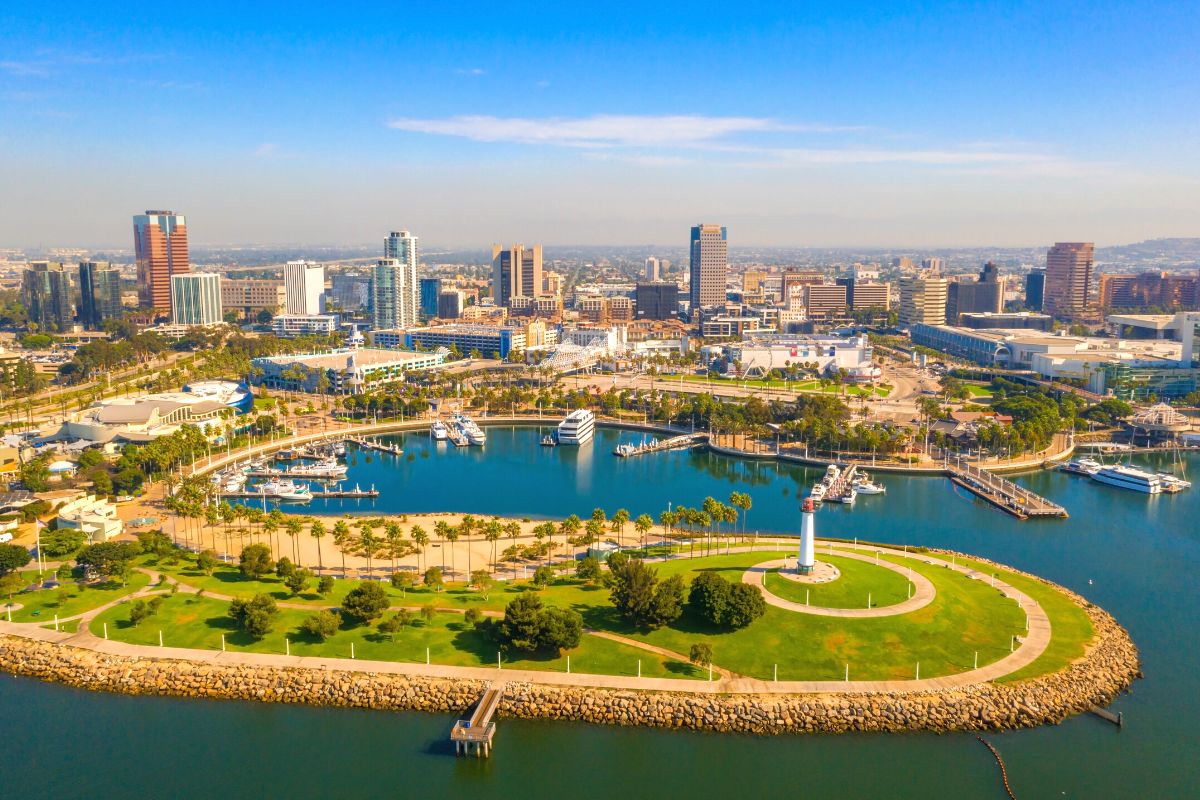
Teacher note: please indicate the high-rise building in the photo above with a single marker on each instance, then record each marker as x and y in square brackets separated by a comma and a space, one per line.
[552, 283]
[46, 293]
[99, 293]
[249, 297]
[708, 266]
[196, 298]
[1035, 289]
[450, 304]
[653, 271]
[984, 296]
[824, 299]
[350, 292]
[933, 265]
[1069, 278]
[658, 300]
[304, 282]
[1149, 290]
[922, 300]
[160, 247]
[430, 289]
[516, 270]
[862, 295]
[402, 247]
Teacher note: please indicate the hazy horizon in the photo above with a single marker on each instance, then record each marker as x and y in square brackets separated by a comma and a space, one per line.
[794, 127]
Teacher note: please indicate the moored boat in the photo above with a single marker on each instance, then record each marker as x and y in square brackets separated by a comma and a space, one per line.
[578, 427]
[1129, 478]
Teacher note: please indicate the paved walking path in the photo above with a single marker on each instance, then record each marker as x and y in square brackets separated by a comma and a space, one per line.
[923, 593]
[1032, 646]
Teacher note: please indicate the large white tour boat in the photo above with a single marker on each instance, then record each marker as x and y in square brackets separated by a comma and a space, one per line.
[577, 428]
[1129, 478]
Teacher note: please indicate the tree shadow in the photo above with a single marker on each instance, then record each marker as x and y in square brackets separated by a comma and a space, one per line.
[682, 669]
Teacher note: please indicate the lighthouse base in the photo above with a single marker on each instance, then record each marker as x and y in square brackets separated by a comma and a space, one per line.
[821, 572]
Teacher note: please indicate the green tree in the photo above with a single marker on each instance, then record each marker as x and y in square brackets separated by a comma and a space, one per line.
[256, 561]
[708, 597]
[62, 543]
[588, 569]
[324, 585]
[256, 615]
[365, 602]
[640, 597]
[433, 578]
[321, 625]
[746, 604]
[701, 654]
[108, 559]
[206, 561]
[543, 576]
[297, 582]
[396, 623]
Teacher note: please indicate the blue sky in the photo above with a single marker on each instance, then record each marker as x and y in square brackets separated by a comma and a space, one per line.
[832, 124]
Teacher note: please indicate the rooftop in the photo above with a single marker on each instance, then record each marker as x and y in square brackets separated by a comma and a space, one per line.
[366, 357]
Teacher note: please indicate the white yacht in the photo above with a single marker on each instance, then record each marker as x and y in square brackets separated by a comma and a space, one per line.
[864, 485]
[439, 431]
[817, 493]
[1129, 478]
[1173, 483]
[467, 427]
[326, 468]
[578, 427]
[1082, 466]
[285, 490]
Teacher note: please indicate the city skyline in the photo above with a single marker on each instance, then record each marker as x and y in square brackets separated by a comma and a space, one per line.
[948, 126]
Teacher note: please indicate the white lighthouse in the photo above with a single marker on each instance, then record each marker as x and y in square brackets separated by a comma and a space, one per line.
[807, 559]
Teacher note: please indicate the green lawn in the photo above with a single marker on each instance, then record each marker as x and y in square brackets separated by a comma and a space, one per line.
[71, 599]
[965, 617]
[1071, 630]
[198, 622]
[858, 583]
[978, 391]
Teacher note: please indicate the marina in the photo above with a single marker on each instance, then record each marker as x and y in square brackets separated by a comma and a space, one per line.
[683, 442]
[1001, 492]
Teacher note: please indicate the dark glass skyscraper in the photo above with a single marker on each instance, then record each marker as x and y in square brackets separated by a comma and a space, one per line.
[430, 289]
[46, 292]
[99, 293]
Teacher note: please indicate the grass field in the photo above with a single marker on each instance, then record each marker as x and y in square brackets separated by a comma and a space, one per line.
[1070, 626]
[70, 599]
[966, 617]
[187, 620]
[859, 582]
[808, 385]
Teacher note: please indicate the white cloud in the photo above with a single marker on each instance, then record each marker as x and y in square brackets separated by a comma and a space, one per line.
[25, 68]
[265, 150]
[473, 71]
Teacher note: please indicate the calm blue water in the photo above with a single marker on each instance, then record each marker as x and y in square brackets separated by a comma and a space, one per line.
[1141, 554]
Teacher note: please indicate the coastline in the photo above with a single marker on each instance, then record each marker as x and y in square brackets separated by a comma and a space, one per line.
[1107, 668]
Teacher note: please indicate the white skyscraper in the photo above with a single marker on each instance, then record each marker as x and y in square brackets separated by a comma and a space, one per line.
[401, 247]
[304, 283]
[653, 271]
[196, 298]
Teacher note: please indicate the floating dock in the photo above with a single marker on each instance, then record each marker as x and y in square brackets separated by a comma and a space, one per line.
[1001, 492]
[657, 446]
[320, 493]
[371, 444]
[478, 729]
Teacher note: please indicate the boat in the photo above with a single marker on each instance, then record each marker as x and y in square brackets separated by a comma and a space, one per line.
[1129, 478]
[1082, 466]
[439, 431]
[578, 427]
[817, 493]
[284, 489]
[467, 427]
[327, 468]
[1173, 483]
[864, 485]
[548, 440]
[847, 496]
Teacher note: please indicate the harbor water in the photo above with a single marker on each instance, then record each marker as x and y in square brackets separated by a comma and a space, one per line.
[1135, 555]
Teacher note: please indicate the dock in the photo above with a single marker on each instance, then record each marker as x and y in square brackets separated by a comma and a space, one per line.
[841, 486]
[371, 444]
[657, 446]
[355, 493]
[478, 729]
[458, 437]
[1001, 492]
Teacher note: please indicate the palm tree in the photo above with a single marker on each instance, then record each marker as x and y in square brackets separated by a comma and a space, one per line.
[440, 529]
[277, 520]
[293, 527]
[395, 540]
[421, 538]
[341, 539]
[317, 531]
[667, 519]
[642, 525]
[367, 542]
[741, 500]
[452, 537]
[619, 519]
[491, 533]
[711, 507]
[513, 529]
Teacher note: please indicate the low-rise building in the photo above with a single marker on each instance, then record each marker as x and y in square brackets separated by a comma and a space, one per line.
[348, 371]
[141, 419]
[493, 341]
[758, 355]
[1023, 320]
[250, 296]
[289, 326]
[94, 516]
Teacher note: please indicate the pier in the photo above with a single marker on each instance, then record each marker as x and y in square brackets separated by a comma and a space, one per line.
[371, 444]
[478, 729]
[1001, 492]
[355, 493]
[458, 437]
[657, 446]
[842, 486]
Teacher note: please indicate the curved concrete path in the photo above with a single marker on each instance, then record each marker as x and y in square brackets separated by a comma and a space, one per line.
[922, 596]
[1031, 647]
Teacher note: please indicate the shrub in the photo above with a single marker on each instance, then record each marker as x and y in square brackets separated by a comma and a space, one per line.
[530, 627]
[321, 625]
[324, 585]
[366, 602]
[256, 615]
[256, 561]
[588, 569]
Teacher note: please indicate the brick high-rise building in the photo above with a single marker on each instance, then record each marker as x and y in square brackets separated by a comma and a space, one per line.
[1069, 278]
[1149, 290]
[160, 246]
[708, 266]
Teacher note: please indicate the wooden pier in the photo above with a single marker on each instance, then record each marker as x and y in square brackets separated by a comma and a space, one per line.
[478, 729]
[1001, 492]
